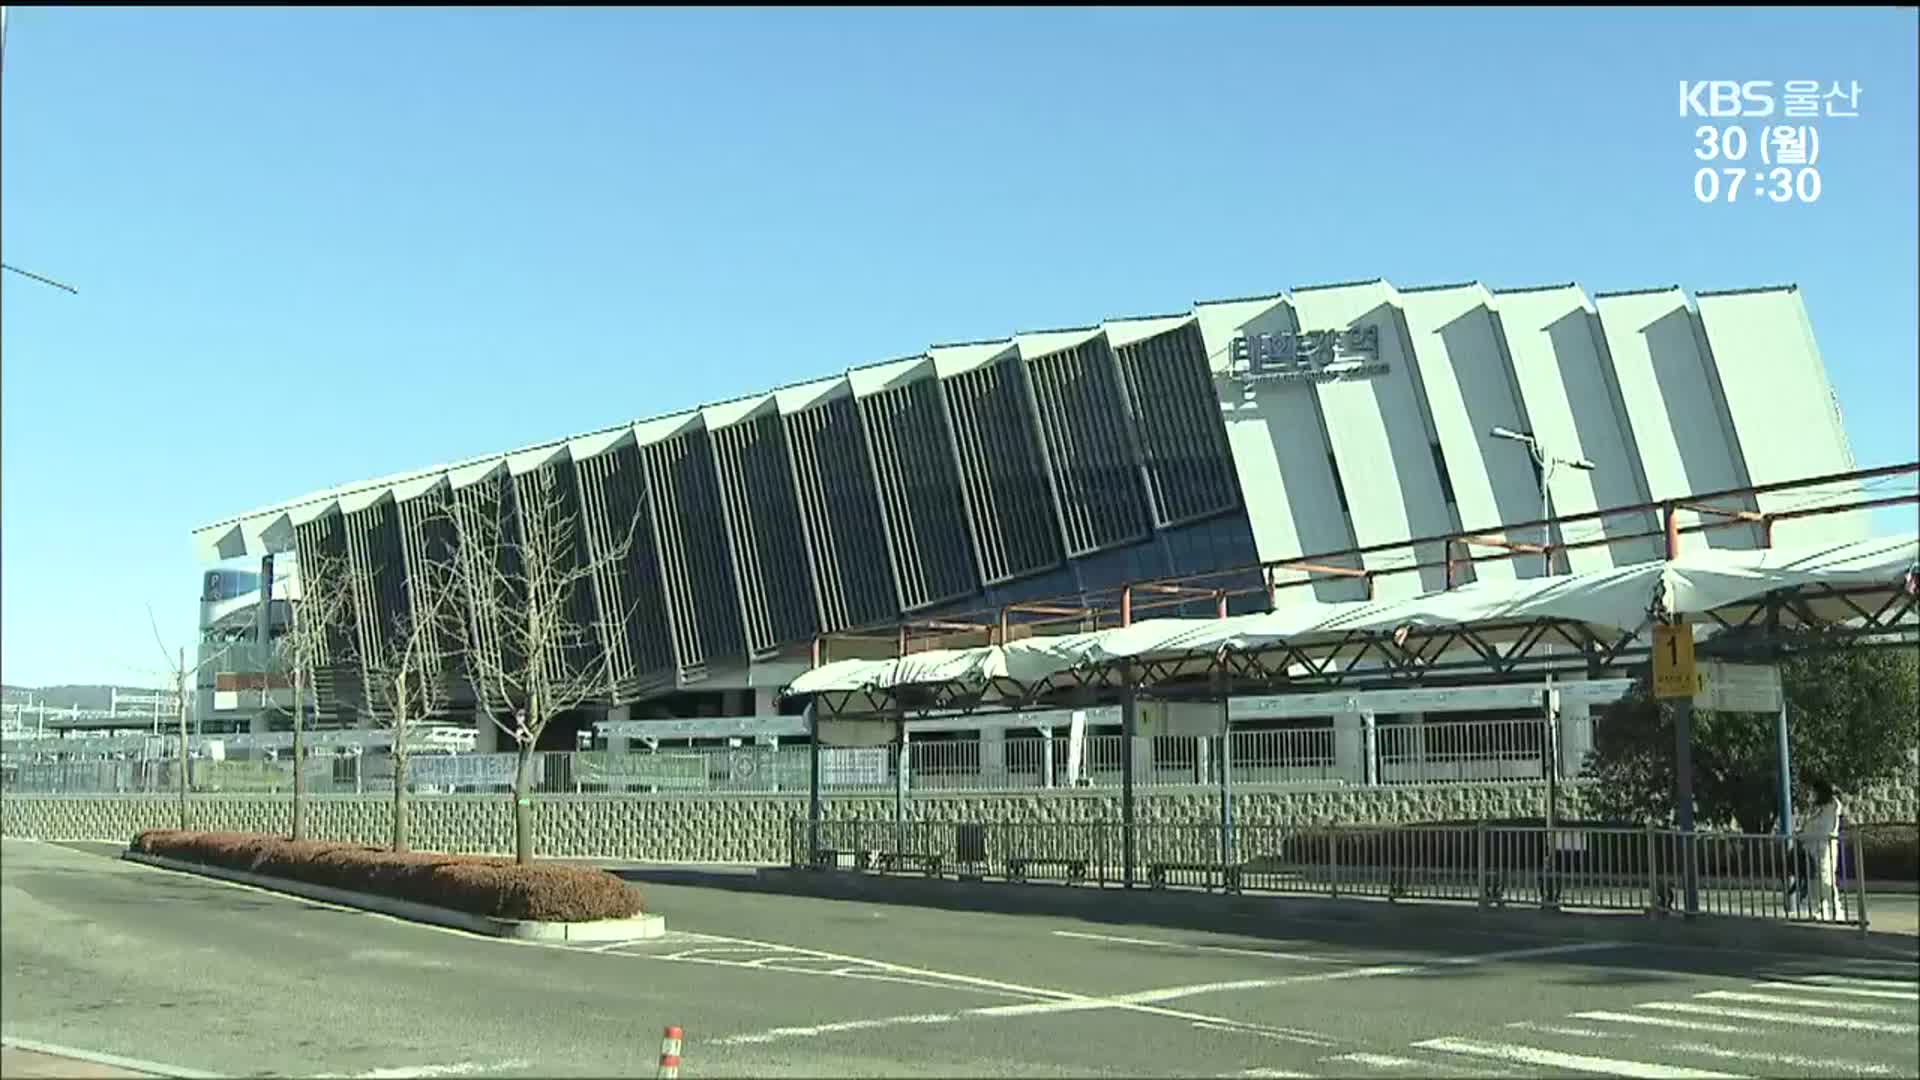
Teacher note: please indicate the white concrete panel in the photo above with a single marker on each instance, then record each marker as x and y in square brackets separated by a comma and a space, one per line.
[1470, 389]
[469, 475]
[727, 413]
[874, 378]
[1553, 339]
[413, 489]
[1040, 343]
[951, 360]
[1785, 418]
[1378, 429]
[1280, 452]
[526, 461]
[1673, 406]
[1124, 332]
[360, 500]
[600, 442]
[792, 399]
[660, 428]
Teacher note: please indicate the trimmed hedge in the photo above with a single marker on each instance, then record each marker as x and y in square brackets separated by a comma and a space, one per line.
[1891, 852]
[479, 885]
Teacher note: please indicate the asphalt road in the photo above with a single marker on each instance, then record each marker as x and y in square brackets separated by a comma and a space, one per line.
[180, 971]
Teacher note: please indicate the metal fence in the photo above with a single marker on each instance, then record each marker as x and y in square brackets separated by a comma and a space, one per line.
[1444, 752]
[1644, 870]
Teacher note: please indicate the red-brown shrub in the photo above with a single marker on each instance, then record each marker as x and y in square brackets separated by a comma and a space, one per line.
[481, 885]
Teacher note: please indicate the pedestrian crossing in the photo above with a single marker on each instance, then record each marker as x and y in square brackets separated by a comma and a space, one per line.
[1864, 1023]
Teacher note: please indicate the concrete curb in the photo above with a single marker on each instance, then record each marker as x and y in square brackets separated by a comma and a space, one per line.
[636, 928]
[1198, 910]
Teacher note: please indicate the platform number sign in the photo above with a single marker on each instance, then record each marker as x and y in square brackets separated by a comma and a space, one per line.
[1673, 669]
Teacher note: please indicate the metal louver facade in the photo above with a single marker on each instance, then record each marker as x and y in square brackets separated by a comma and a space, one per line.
[1254, 430]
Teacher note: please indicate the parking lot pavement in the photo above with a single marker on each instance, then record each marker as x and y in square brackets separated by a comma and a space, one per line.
[174, 968]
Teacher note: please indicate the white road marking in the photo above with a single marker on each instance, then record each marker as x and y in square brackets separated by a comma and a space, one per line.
[1666, 1022]
[1800, 1002]
[132, 1064]
[1527, 1055]
[1555, 1029]
[1905, 986]
[1842, 1023]
[1276, 1074]
[950, 980]
[1845, 991]
[463, 1068]
[1174, 992]
[1817, 1064]
[778, 1033]
[1394, 1061]
[1265, 954]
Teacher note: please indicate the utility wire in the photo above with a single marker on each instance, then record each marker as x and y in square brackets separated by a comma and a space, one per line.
[37, 277]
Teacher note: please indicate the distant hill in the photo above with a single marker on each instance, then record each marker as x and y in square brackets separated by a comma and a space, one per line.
[67, 697]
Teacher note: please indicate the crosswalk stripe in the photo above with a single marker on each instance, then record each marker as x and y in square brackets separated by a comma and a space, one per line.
[1800, 1002]
[1428, 1068]
[1556, 1029]
[1847, 991]
[1665, 1021]
[1528, 1055]
[1843, 1023]
[1850, 980]
[1794, 1060]
[1277, 1074]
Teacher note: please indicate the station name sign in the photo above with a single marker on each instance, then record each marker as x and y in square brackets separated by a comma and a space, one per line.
[1305, 356]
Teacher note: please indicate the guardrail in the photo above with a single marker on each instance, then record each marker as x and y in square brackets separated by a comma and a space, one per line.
[1434, 752]
[1652, 871]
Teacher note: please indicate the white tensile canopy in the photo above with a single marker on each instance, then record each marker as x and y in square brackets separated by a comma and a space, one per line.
[1611, 602]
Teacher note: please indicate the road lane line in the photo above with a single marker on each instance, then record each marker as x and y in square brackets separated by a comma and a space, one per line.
[1528, 1055]
[1817, 1064]
[813, 1030]
[1265, 954]
[95, 1057]
[1273, 1074]
[1844, 991]
[1840, 1023]
[1665, 1022]
[1800, 1002]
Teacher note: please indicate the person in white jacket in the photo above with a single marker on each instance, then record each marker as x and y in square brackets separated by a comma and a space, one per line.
[1820, 839]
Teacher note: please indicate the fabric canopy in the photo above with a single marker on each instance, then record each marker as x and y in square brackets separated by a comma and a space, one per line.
[1610, 601]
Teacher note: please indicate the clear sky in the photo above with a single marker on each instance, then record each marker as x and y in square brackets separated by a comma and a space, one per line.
[317, 246]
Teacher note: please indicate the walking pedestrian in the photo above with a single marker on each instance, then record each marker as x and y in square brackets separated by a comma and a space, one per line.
[1820, 839]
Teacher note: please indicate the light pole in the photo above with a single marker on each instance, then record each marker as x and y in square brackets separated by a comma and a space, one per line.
[1546, 463]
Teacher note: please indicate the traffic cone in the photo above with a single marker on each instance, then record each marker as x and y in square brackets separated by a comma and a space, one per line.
[670, 1054]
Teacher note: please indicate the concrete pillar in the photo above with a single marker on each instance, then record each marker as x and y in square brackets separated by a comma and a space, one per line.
[1046, 757]
[765, 702]
[486, 735]
[1349, 748]
[993, 756]
[260, 724]
[1142, 751]
[1576, 736]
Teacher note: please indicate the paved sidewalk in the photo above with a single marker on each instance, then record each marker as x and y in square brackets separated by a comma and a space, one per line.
[15, 1062]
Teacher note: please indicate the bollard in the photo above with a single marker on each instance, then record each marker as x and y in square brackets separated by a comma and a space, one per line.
[670, 1054]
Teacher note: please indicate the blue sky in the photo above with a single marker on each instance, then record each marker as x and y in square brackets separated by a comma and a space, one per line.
[315, 246]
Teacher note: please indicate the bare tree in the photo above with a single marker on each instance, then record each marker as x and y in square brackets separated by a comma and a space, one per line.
[528, 572]
[181, 675]
[407, 670]
[326, 598]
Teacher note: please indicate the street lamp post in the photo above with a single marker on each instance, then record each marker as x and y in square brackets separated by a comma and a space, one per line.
[1546, 463]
